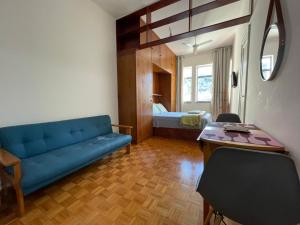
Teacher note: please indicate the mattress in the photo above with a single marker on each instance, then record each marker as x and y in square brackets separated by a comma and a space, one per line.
[172, 120]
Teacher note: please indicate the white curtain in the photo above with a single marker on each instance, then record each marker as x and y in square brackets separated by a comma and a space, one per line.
[179, 84]
[220, 101]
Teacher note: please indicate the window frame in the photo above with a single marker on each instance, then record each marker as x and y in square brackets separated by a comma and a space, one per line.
[196, 83]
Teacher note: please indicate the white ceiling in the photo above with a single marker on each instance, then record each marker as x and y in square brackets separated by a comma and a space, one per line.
[120, 8]
[219, 39]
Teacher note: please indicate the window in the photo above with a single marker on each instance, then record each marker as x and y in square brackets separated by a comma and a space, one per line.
[267, 65]
[187, 84]
[204, 83]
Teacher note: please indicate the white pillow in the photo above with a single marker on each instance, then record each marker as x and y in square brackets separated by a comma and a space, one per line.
[159, 108]
[156, 109]
[162, 108]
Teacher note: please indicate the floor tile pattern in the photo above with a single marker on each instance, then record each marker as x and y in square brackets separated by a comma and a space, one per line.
[154, 185]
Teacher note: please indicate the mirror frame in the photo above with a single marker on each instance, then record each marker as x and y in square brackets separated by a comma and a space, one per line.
[282, 38]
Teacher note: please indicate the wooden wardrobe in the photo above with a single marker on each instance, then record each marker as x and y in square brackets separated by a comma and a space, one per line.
[137, 70]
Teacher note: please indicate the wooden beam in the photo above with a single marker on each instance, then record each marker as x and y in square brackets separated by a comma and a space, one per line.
[180, 16]
[165, 21]
[251, 7]
[148, 21]
[215, 27]
[153, 7]
[194, 11]
[190, 14]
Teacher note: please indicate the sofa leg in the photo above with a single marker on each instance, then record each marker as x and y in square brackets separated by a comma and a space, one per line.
[18, 188]
[20, 199]
[128, 149]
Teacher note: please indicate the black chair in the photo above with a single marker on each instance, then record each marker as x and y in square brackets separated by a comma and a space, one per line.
[228, 117]
[251, 187]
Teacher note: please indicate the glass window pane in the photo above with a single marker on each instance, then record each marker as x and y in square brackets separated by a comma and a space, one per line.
[187, 90]
[204, 70]
[187, 72]
[204, 83]
[204, 88]
[187, 84]
[267, 65]
[267, 62]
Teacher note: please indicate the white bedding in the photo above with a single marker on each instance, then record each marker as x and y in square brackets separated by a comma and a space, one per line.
[172, 120]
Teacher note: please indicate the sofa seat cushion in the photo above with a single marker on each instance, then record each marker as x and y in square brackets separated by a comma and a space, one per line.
[59, 162]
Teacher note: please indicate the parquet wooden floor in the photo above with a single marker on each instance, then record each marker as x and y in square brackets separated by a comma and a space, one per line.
[154, 185]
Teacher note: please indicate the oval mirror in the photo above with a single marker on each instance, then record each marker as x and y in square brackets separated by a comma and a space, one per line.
[270, 53]
[273, 43]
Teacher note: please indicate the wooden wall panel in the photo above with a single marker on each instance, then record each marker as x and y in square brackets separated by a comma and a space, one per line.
[156, 55]
[165, 90]
[168, 63]
[173, 82]
[156, 87]
[144, 76]
[137, 70]
[164, 57]
[127, 90]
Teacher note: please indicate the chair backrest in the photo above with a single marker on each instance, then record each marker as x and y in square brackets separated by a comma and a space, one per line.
[252, 187]
[28, 140]
[229, 117]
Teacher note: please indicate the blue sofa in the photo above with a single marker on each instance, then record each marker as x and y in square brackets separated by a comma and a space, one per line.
[39, 154]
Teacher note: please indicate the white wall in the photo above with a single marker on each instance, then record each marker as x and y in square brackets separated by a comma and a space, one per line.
[240, 36]
[194, 60]
[57, 61]
[274, 106]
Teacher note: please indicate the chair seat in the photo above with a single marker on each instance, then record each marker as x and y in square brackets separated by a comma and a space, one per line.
[252, 187]
[44, 167]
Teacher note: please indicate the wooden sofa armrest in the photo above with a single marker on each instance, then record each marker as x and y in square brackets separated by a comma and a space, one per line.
[128, 131]
[6, 160]
[128, 128]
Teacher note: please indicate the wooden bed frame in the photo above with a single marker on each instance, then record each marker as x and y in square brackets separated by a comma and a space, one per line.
[178, 133]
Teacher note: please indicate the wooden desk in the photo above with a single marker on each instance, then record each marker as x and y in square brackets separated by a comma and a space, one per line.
[214, 136]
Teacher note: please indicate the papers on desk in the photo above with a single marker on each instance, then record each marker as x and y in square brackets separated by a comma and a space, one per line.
[236, 128]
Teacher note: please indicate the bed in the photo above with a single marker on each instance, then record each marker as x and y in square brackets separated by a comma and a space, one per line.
[169, 124]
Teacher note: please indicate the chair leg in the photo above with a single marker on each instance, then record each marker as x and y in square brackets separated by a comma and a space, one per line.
[209, 215]
[128, 149]
[219, 219]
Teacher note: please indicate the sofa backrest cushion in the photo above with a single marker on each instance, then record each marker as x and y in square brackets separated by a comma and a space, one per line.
[28, 140]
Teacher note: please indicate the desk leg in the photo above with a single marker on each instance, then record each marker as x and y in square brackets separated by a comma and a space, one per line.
[207, 152]
[206, 212]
